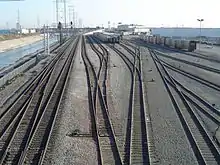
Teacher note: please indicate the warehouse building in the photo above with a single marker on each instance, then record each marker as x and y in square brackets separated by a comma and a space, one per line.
[127, 29]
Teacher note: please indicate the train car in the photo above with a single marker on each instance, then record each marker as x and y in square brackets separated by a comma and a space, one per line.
[172, 43]
[152, 40]
[186, 45]
[180, 44]
[167, 41]
[143, 37]
[162, 41]
[147, 39]
[192, 46]
[107, 37]
[158, 40]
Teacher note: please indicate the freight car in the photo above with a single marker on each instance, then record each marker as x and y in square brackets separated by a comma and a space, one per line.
[181, 44]
[107, 37]
[186, 44]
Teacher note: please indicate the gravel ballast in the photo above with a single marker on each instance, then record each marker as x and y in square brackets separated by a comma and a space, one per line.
[74, 117]
[171, 144]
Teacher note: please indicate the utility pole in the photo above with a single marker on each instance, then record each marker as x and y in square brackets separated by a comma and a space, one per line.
[18, 20]
[76, 19]
[7, 25]
[46, 40]
[200, 31]
[57, 11]
[60, 30]
[80, 23]
[109, 25]
[38, 22]
[71, 18]
[64, 2]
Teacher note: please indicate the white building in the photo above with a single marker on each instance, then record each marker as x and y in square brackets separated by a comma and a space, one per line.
[133, 29]
[27, 31]
[24, 31]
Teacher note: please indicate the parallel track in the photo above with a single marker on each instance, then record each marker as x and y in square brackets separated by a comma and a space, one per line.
[192, 76]
[201, 104]
[54, 49]
[203, 146]
[19, 123]
[211, 69]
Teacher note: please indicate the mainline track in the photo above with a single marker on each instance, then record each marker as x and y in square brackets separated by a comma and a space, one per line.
[27, 124]
[205, 149]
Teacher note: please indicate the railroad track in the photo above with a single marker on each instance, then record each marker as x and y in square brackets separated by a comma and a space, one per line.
[54, 49]
[193, 54]
[208, 68]
[192, 76]
[27, 124]
[102, 128]
[211, 69]
[200, 103]
[103, 68]
[204, 147]
[136, 143]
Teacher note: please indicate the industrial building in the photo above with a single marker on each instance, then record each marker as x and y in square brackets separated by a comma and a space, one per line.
[27, 31]
[127, 29]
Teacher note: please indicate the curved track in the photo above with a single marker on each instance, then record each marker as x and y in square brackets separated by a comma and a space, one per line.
[200, 103]
[102, 128]
[136, 144]
[205, 149]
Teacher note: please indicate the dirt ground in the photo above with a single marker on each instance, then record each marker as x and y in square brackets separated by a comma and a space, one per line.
[18, 42]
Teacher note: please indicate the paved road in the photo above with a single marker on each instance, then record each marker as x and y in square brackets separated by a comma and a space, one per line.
[209, 49]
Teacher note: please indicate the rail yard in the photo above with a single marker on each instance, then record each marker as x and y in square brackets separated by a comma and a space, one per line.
[103, 99]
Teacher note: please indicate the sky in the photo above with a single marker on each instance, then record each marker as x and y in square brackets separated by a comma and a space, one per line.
[152, 13]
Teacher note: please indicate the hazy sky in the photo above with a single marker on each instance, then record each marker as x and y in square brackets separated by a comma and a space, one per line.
[97, 12]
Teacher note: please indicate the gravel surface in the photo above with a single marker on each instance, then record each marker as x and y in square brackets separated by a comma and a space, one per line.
[118, 90]
[210, 51]
[171, 144]
[74, 116]
[196, 60]
[168, 142]
[211, 95]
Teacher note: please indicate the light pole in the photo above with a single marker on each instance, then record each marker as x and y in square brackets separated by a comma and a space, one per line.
[200, 21]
